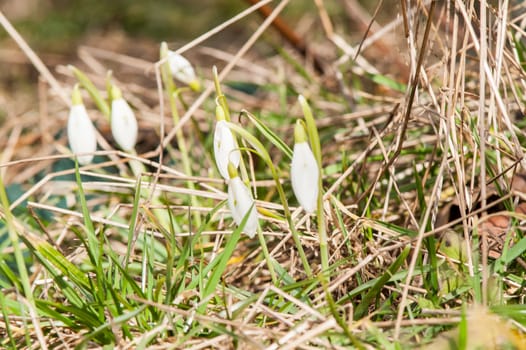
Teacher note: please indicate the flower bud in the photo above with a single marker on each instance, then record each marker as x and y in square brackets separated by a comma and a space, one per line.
[240, 202]
[225, 146]
[81, 132]
[123, 122]
[182, 70]
[304, 171]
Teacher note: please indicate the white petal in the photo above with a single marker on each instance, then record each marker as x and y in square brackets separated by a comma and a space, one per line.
[240, 201]
[180, 67]
[81, 133]
[123, 124]
[225, 149]
[304, 175]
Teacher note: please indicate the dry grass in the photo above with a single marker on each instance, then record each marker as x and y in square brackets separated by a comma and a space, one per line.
[421, 127]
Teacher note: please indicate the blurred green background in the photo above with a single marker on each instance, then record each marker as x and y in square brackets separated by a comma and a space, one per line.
[56, 25]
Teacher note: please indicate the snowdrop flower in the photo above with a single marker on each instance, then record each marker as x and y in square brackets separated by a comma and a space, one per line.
[225, 146]
[182, 70]
[123, 122]
[304, 171]
[81, 132]
[240, 202]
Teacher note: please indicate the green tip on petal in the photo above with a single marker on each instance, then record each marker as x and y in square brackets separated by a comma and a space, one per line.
[220, 113]
[76, 97]
[299, 132]
[232, 171]
[115, 92]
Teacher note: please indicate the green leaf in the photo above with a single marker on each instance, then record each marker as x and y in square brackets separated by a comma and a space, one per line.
[86, 83]
[269, 134]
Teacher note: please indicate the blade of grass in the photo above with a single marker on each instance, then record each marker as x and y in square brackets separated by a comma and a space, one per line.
[221, 260]
[269, 134]
[86, 83]
[7, 322]
[14, 237]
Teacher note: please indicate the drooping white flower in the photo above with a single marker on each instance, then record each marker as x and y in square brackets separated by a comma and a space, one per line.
[123, 122]
[182, 70]
[81, 132]
[241, 203]
[304, 171]
[225, 146]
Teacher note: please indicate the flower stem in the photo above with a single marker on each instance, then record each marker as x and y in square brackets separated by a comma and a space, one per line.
[181, 141]
[315, 144]
[266, 254]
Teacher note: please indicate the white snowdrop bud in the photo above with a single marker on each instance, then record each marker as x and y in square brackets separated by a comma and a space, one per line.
[123, 122]
[304, 171]
[240, 202]
[81, 132]
[225, 146]
[182, 70]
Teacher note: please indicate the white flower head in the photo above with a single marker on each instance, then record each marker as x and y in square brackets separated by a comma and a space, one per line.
[81, 132]
[123, 122]
[304, 171]
[225, 146]
[182, 70]
[241, 203]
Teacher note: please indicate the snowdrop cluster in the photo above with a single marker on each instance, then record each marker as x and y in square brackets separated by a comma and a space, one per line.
[228, 157]
[81, 131]
[304, 169]
[304, 172]
[124, 127]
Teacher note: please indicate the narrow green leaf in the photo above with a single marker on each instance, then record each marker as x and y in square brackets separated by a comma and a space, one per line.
[93, 243]
[269, 134]
[86, 83]
[515, 251]
[5, 317]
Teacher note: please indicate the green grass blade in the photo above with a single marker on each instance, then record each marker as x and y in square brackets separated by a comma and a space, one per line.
[86, 83]
[221, 260]
[269, 134]
[14, 237]
[7, 323]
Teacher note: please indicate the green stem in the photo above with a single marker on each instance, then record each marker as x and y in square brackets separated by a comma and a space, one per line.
[266, 254]
[322, 232]
[315, 144]
[221, 99]
[86, 83]
[181, 142]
